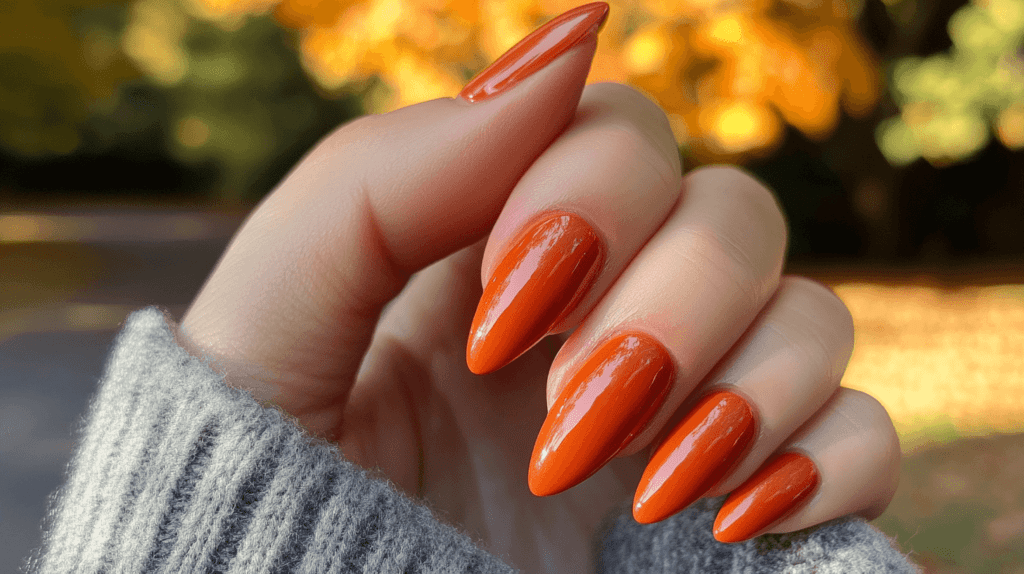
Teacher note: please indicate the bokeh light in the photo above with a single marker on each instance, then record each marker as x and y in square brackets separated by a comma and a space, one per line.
[53, 70]
[946, 359]
[729, 74]
[951, 103]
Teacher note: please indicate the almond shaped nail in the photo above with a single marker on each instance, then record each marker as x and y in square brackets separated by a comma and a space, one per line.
[535, 51]
[603, 406]
[695, 456]
[539, 281]
[775, 491]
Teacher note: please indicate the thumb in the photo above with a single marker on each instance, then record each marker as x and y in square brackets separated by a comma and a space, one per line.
[291, 306]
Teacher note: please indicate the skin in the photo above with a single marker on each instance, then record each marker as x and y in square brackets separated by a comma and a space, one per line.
[346, 299]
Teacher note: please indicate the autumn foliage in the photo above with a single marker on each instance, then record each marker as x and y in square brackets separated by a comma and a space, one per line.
[730, 74]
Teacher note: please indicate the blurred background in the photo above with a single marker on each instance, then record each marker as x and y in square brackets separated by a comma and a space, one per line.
[136, 134]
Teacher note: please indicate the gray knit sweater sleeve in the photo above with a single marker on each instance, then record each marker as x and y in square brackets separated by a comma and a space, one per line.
[176, 472]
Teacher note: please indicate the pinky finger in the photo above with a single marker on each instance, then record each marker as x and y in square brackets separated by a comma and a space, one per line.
[845, 460]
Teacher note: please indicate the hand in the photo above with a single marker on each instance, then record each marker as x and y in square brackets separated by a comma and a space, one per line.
[683, 334]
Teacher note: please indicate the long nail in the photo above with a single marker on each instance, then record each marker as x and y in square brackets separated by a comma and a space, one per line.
[695, 456]
[604, 405]
[540, 280]
[775, 491]
[536, 51]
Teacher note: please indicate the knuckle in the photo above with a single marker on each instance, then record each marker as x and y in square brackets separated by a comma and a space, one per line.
[641, 121]
[879, 446]
[629, 133]
[633, 139]
[882, 433]
[829, 310]
[763, 201]
[746, 209]
[751, 195]
[881, 454]
[724, 262]
[867, 406]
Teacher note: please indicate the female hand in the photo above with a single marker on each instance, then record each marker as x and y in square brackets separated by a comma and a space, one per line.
[568, 206]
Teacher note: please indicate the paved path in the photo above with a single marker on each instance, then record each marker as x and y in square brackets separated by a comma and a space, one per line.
[45, 382]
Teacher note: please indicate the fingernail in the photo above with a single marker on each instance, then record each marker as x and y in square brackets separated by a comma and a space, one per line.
[776, 490]
[604, 405]
[536, 51]
[541, 280]
[694, 457]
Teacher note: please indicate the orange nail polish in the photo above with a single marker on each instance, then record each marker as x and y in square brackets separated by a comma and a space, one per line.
[774, 492]
[695, 456]
[540, 280]
[536, 51]
[604, 405]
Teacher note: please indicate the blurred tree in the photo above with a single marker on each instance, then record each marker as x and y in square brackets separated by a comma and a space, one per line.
[222, 97]
[730, 74]
[142, 85]
[236, 93]
[59, 65]
[950, 103]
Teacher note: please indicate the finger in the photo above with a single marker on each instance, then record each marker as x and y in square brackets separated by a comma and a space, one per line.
[844, 461]
[673, 313]
[299, 290]
[395, 381]
[774, 379]
[573, 222]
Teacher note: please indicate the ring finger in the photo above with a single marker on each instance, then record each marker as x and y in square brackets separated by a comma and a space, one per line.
[845, 460]
[778, 375]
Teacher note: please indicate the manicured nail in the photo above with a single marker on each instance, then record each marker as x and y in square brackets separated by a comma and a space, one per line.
[536, 51]
[541, 280]
[604, 405]
[695, 456]
[776, 490]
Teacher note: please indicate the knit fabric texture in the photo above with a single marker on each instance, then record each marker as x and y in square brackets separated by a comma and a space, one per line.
[177, 472]
[684, 544]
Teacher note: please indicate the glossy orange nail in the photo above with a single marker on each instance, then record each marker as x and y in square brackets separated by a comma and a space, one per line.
[536, 51]
[540, 280]
[604, 405]
[776, 490]
[695, 456]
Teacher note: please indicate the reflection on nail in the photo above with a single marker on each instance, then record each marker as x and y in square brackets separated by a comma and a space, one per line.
[536, 50]
[541, 279]
[775, 491]
[604, 405]
[695, 456]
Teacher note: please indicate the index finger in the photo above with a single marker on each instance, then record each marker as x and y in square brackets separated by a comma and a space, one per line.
[573, 222]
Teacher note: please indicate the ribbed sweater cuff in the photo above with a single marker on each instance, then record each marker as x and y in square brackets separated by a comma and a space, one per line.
[684, 544]
[177, 472]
